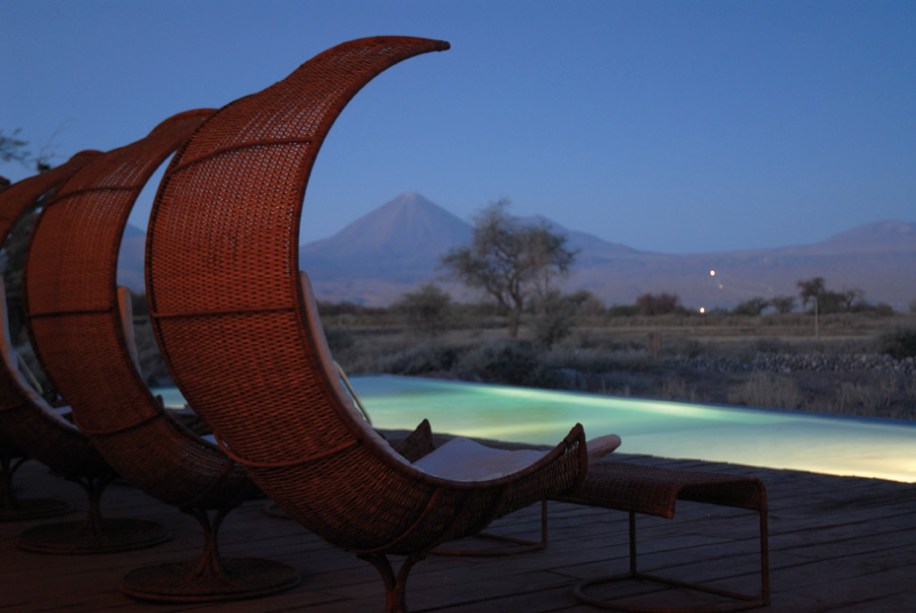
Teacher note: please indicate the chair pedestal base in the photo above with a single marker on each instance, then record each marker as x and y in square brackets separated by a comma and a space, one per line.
[211, 577]
[21, 509]
[76, 537]
[24, 509]
[241, 578]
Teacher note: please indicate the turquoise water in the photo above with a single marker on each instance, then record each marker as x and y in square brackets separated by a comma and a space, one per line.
[882, 449]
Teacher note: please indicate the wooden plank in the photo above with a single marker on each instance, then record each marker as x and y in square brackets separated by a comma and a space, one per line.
[836, 544]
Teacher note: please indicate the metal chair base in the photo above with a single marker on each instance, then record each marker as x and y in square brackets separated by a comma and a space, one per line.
[512, 545]
[241, 578]
[732, 601]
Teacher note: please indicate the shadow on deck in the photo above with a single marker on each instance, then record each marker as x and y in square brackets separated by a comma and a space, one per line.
[836, 544]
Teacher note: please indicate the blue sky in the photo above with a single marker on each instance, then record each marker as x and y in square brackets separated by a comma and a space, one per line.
[667, 126]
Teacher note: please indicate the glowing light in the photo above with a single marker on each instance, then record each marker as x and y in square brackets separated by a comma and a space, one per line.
[712, 272]
[702, 310]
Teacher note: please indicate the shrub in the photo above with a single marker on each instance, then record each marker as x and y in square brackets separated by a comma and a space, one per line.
[659, 304]
[553, 319]
[899, 344]
[767, 390]
[339, 339]
[426, 310]
[752, 306]
[505, 361]
[421, 359]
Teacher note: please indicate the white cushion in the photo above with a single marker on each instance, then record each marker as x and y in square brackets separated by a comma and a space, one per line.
[462, 459]
[602, 445]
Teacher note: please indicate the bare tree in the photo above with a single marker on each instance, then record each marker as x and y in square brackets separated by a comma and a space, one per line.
[810, 289]
[13, 149]
[509, 260]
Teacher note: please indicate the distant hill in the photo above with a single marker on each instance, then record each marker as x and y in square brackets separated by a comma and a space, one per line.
[381, 255]
[408, 228]
[397, 247]
[390, 251]
[879, 259]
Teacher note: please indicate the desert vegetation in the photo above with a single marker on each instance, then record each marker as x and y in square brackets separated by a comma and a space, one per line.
[861, 363]
[821, 351]
[858, 362]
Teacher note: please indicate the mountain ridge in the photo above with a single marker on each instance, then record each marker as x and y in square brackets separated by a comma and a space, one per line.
[397, 246]
[862, 258]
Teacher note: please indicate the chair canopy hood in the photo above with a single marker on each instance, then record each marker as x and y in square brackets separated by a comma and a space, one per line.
[77, 330]
[25, 419]
[22, 195]
[227, 306]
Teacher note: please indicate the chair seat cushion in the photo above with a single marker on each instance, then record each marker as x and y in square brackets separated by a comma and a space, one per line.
[461, 459]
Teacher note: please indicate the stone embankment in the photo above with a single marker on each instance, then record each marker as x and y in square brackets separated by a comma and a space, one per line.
[803, 362]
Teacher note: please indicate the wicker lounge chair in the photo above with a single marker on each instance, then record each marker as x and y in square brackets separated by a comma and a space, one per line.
[28, 422]
[82, 332]
[225, 300]
[12, 507]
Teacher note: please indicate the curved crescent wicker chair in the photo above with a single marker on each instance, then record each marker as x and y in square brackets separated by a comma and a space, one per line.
[76, 324]
[29, 423]
[13, 202]
[227, 309]
[35, 428]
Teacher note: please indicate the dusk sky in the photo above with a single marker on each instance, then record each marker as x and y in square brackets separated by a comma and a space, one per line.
[679, 126]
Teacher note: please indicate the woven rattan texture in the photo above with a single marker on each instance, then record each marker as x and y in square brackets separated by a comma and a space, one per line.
[72, 304]
[655, 491]
[222, 276]
[23, 420]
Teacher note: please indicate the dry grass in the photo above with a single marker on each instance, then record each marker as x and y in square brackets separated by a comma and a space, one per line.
[685, 358]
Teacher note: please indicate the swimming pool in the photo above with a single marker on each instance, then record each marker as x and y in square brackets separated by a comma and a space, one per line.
[883, 449]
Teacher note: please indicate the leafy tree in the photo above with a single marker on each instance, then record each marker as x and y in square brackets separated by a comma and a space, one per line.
[587, 304]
[836, 302]
[810, 289]
[426, 309]
[509, 260]
[783, 304]
[852, 299]
[828, 301]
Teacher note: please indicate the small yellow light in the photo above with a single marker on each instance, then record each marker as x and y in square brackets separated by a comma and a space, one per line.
[712, 272]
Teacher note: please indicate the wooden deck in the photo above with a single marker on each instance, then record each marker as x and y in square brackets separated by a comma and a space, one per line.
[836, 544]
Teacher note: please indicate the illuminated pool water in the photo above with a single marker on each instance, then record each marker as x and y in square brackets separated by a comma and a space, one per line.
[882, 449]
